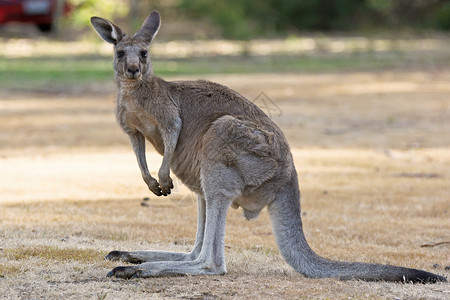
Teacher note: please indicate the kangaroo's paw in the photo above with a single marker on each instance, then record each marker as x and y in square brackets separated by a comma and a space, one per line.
[123, 256]
[153, 186]
[166, 185]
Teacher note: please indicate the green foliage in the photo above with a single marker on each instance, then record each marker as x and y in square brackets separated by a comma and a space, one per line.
[85, 9]
[229, 15]
[243, 19]
[319, 14]
[442, 20]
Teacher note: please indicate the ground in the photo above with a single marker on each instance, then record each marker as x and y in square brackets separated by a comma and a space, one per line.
[372, 150]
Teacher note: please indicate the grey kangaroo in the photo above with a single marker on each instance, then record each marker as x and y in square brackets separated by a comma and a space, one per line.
[227, 151]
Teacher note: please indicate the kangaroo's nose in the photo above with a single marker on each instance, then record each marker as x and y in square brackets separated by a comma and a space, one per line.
[133, 71]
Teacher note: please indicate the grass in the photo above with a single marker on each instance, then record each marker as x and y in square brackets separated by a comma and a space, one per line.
[51, 65]
[71, 191]
[52, 253]
[267, 64]
[56, 73]
[42, 72]
[9, 269]
[15, 259]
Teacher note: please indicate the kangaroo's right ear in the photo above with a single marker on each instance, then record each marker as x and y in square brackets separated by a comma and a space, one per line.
[107, 30]
[150, 27]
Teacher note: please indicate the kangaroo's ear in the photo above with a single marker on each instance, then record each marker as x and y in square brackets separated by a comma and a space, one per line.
[107, 30]
[150, 27]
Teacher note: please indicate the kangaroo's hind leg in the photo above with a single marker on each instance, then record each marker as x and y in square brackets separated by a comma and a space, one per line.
[137, 257]
[221, 184]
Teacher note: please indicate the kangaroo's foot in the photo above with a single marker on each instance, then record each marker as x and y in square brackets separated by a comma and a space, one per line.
[138, 257]
[153, 269]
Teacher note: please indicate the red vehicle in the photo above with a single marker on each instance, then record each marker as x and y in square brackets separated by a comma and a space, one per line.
[40, 12]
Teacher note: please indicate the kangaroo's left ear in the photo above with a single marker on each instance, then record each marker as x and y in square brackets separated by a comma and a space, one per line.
[150, 27]
[107, 30]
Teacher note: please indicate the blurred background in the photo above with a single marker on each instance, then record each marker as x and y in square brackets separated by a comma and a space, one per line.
[49, 44]
[368, 74]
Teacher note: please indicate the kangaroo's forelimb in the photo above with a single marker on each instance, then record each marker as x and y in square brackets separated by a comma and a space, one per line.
[138, 144]
[169, 134]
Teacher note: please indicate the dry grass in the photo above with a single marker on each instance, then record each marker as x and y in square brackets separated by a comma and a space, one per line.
[372, 152]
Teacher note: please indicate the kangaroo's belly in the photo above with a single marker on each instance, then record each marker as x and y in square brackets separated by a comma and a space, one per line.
[185, 164]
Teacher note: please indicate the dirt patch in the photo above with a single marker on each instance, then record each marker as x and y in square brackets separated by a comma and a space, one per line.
[372, 152]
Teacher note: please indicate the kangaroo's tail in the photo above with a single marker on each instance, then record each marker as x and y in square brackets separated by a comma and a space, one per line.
[285, 215]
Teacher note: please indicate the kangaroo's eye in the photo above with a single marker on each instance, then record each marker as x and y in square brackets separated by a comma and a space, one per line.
[144, 54]
[120, 54]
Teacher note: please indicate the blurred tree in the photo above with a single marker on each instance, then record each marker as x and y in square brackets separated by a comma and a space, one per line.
[410, 13]
[231, 16]
[319, 14]
[441, 18]
[245, 18]
[133, 11]
[85, 9]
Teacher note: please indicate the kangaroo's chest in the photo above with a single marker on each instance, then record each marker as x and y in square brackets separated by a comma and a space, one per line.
[134, 118]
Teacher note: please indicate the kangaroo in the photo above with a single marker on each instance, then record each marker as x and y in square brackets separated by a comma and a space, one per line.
[227, 151]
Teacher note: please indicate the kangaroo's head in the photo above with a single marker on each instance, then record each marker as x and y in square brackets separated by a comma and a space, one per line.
[131, 58]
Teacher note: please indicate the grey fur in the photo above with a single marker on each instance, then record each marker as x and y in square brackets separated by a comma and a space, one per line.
[227, 151]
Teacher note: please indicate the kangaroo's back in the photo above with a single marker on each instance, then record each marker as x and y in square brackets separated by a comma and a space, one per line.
[203, 102]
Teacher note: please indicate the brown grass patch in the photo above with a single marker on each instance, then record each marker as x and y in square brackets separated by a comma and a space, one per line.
[8, 269]
[52, 253]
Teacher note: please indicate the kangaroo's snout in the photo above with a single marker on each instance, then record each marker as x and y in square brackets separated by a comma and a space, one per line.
[133, 65]
[133, 72]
